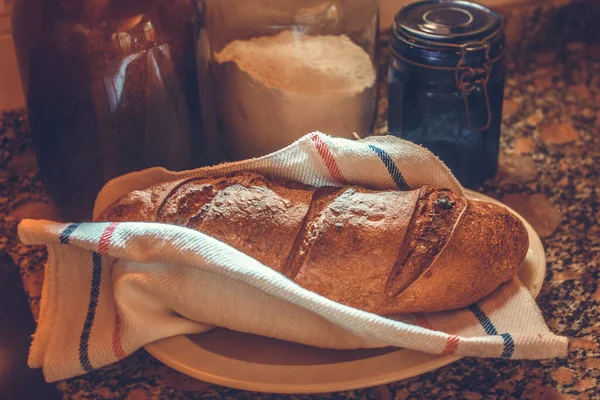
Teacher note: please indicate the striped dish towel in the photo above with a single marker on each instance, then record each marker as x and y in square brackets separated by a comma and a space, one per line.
[111, 288]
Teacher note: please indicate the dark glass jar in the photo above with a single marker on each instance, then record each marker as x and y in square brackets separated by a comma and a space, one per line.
[112, 86]
[446, 84]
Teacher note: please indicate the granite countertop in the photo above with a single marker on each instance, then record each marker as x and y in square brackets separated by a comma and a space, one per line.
[548, 172]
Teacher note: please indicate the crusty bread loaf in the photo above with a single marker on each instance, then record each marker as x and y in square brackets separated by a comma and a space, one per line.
[386, 252]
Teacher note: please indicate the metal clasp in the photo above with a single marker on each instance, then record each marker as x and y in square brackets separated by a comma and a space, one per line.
[472, 75]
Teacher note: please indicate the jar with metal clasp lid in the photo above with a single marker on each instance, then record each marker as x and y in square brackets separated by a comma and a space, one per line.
[446, 84]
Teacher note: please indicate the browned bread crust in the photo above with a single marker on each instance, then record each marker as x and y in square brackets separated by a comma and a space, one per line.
[386, 252]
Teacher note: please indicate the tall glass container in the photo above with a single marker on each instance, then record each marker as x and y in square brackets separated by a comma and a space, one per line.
[286, 68]
[112, 86]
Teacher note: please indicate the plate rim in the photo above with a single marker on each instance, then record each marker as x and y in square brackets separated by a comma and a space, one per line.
[164, 349]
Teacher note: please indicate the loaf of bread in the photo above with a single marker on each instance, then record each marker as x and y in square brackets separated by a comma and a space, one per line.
[385, 252]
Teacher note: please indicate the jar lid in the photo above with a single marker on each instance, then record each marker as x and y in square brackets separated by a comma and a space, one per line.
[447, 21]
[433, 31]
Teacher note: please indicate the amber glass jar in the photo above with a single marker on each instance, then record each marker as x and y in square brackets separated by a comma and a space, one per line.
[112, 86]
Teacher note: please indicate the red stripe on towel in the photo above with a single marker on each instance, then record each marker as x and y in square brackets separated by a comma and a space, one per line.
[104, 244]
[451, 345]
[326, 155]
[423, 322]
[106, 237]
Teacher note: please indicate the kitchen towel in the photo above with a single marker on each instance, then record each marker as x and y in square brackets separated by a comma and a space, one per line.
[111, 288]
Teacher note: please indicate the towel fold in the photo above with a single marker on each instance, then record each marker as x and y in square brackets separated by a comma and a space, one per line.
[111, 288]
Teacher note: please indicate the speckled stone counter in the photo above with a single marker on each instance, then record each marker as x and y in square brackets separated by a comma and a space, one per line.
[549, 172]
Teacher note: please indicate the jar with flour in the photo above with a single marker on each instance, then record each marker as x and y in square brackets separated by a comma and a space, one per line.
[285, 68]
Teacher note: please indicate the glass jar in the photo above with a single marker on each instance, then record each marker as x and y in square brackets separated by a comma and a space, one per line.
[286, 68]
[112, 86]
[446, 84]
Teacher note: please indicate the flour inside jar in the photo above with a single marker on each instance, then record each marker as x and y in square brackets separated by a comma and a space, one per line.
[275, 89]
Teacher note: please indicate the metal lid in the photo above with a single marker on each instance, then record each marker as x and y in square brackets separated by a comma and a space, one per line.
[443, 32]
[443, 21]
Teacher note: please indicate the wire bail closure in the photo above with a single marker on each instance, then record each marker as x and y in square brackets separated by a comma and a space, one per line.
[472, 74]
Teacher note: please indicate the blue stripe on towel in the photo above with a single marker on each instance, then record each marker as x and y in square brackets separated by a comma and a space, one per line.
[490, 329]
[483, 319]
[84, 339]
[509, 345]
[65, 235]
[391, 167]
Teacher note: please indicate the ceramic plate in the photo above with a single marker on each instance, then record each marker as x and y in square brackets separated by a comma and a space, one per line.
[255, 363]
